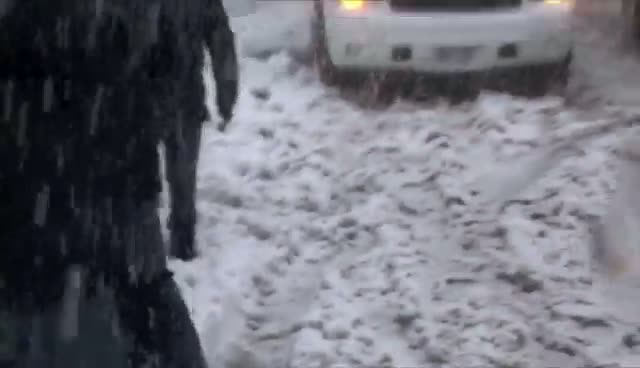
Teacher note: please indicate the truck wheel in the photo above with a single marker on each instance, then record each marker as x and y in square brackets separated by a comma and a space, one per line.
[327, 71]
[554, 78]
[560, 74]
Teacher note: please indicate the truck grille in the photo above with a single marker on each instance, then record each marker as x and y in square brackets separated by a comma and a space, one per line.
[452, 5]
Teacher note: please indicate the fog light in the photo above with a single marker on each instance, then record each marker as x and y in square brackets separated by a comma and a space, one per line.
[508, 51]
[352, 49]
[401, 53]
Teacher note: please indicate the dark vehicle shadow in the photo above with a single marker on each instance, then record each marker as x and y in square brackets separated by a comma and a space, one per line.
[379, 90]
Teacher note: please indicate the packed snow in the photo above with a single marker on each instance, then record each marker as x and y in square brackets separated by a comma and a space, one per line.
[334, 236]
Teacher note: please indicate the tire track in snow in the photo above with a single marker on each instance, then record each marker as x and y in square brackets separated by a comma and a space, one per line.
[358, 221]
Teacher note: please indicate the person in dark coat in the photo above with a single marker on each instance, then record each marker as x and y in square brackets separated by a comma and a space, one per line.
[182, 145]
[82, 250]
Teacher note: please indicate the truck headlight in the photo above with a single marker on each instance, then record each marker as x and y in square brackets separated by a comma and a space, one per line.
[352, 5]
[559, 2]
[564, 5]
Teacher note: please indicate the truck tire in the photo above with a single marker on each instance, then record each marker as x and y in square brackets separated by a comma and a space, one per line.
[553, 78]
[327, 71]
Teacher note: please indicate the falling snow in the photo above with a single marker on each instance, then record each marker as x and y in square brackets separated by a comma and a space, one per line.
[333, 234]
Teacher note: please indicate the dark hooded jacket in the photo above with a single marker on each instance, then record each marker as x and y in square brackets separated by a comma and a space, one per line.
[80, 178]
[76, 153]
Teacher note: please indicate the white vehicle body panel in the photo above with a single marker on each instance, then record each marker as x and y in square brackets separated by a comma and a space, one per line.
[364, 39]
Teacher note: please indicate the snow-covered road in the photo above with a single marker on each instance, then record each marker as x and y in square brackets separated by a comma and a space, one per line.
[338, 237]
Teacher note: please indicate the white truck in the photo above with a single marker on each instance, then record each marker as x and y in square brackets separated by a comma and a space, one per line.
[443, 37]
